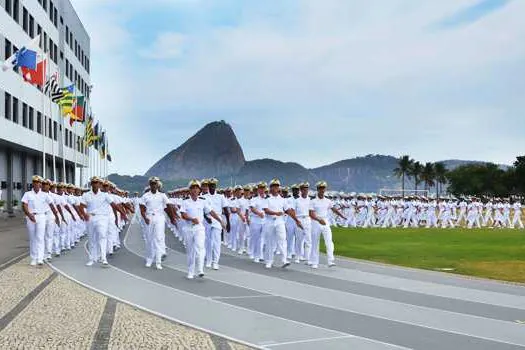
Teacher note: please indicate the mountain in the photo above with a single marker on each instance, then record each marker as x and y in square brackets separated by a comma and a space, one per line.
[212, 151]
[215, 152]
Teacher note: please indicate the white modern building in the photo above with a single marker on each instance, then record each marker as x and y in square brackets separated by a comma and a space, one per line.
[29, 123]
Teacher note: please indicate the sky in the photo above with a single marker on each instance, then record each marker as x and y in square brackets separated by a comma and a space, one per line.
[310, 81]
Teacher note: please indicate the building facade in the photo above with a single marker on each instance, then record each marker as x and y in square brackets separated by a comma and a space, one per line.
[29, 123]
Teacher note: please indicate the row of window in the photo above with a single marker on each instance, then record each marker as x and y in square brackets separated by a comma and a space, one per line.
[11, 112]
[77, 49]
[29, 25]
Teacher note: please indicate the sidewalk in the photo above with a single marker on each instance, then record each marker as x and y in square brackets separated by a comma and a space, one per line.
[42, 309]
[13, 238]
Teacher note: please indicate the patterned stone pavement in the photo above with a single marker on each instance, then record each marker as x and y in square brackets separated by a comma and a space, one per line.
[40, 309]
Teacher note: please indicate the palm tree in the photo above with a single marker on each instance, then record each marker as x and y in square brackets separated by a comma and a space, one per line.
[428, 175]
[415, 171]
[403, 166]
[440, 172]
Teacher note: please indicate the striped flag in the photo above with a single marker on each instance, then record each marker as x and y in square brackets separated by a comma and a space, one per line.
[52, 89]
[67, 101]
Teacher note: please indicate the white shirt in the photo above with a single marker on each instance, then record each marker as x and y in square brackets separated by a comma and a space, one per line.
[37, 202]
[258, 203]
[196, 208]
[216, 202]
[155, 203]
[276, 203]
[302, 206]
[321, 207]
[96, 203]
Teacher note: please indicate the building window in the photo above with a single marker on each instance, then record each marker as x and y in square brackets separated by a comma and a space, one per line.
[49, 125]
[31, 118]
[44, 5]
[31, 26]
[8, 48]
[67, 68]
[51, 8]
[15, 110]
[55, 130]
[25, 20]
[45, 42]
[16, 10]
[7, 106]
[39, 122]
[24, 115]
[67, 35]
[55, 53]
[51, 48]
[61, 20]
[71, 139]
[55, 17]
[8, 7]
[71, 40]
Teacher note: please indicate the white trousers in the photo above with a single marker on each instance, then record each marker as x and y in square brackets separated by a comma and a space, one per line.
[242, 234]
[235, 221]
[37, 231]
[50, 234]
[303, 239]
[256, 230]
[155, 240]
[195, 236]
[317, 231]
[275, 239]
[290, 237]
[213, 243]
[516, 220]
[98, 230]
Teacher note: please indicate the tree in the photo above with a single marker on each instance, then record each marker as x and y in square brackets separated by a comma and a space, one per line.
[428, 175]
[519, 174]
[403, 166]
[440, 172]
[415, 171]
[481, 179]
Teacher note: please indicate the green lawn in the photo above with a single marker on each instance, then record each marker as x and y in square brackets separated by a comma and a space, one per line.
[497, 254]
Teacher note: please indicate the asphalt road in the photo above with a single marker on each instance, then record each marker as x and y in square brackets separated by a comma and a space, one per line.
[356, 305]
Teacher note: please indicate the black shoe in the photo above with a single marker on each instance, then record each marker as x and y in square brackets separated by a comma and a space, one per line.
[201, 274]
[163, 257]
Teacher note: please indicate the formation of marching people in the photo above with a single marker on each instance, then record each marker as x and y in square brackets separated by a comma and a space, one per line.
[58, 215]
[419, 211]
[272, 224]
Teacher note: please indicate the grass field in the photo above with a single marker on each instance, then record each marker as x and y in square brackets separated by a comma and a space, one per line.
[496, 254]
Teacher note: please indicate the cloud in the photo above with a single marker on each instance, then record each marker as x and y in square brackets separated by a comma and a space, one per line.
[313, 81]
[472, 13]
[166, 46]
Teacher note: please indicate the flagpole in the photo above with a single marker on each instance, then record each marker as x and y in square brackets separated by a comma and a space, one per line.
[44, 127]
[76, 146]
[63, 150]
[53, 143]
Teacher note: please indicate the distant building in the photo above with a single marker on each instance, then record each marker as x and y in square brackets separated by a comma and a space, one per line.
[24, 126]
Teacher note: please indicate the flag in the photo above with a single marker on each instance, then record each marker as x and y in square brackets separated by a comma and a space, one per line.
[102, 145]
[96, 136]
[109, 157]
[78, 110]
[67, 101]
[52, 89]
[88, 132]
[35, 76]
[25, 57]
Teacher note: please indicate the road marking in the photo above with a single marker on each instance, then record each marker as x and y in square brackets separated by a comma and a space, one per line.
[242, 297]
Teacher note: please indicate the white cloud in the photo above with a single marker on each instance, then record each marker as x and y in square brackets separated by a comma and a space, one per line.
[166, 46]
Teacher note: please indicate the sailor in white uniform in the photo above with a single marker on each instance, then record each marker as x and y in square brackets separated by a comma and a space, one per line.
[36, 204]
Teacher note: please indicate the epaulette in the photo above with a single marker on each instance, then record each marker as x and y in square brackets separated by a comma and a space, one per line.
[266, 197]
[202, 198]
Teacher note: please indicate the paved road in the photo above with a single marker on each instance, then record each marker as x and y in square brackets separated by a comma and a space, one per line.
[356, 305]
[14, 242]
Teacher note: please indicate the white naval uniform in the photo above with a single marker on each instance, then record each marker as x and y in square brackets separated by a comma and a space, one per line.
[235, 221]
[243, 231]
[257, 225]
[321, 207]
[516, 218]
[98, 206]
[38, 203]
[50, 229]
[217, 202]
[155, 204]
[303, 237]
[195, 234]
[276, 231]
